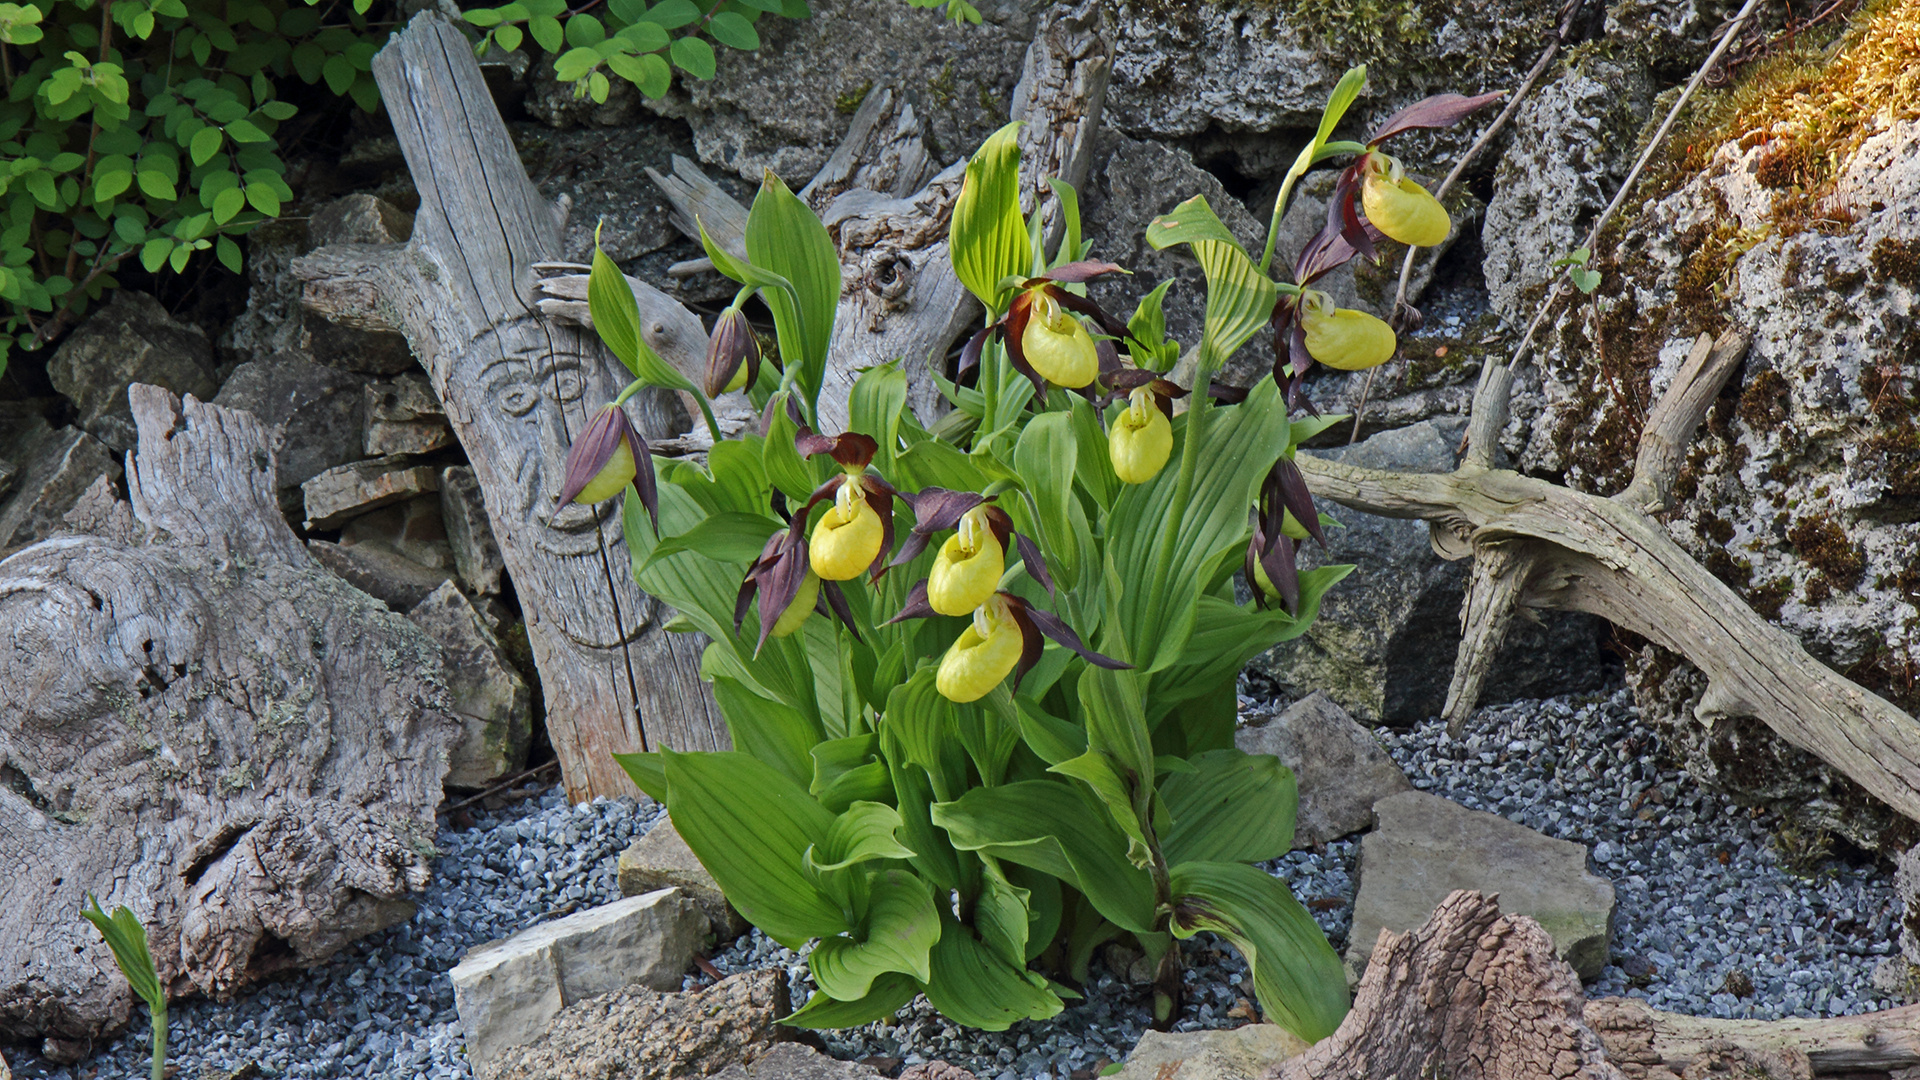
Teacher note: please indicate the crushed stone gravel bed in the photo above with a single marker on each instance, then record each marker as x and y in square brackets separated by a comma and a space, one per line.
[1710, 920]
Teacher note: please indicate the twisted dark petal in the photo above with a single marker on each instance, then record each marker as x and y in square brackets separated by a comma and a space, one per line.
[1278, 561]
[644, 483]
[824, 491]
[970, 353]
[749, 585]
[1109, 357]
[1440, 110]
[1129, 378]
[1049, 624]
[1000, 524]
[880, 496]
[1353, 227]
[1301, 362]
[916, 607]
[1083, 270]
[1016, 322]
[1108, 324]
[1030, 645]
[910, 548]
[1231, 395]
[934, 509]
[1290, 487]
[809, 442]
[592, 450]
[837, 603]
[779, 584]
[1035, 562]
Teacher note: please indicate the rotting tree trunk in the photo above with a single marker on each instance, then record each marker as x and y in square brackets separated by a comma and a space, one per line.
[517, 387]
[205, 725]
[1540, 545]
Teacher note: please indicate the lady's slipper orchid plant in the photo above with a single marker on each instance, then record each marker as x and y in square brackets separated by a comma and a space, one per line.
[967, 568]
[733, 354]
[1003, 638]
[1140, 440]
[605, 459]
[1045, 342]
[853, 535]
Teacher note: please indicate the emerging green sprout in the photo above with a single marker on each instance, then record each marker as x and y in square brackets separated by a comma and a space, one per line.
[128, 941]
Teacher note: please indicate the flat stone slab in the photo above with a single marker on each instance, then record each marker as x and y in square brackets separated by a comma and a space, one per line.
[794, 1061]
[662, 860]
[1423, 847]
[1342, 770]
[339, 494]
[1242, 1053]
[506, 991]
[635, 1032]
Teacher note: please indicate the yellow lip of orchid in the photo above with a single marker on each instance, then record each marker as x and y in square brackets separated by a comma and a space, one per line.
[1141, 440]
[982, 656]
[1342, 337]
[968, 567]
[801, 607]
[1057, 346]
[847, 537]
[1400, 207]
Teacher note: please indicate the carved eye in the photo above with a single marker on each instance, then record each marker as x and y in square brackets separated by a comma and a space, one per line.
[518, 399]
[568, 382]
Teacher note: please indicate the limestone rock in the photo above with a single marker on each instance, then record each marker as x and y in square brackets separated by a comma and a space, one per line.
[131, 340]
[359, 218]
[463, 514]
[595, 169]
[380, 572]
[404, 417]
[412, 529]
[340, 494]
[51, 470]
[316, 414]
[1573, 142]
[1385, 641]
[1242, 1053]
[794, 1061]
[661, 859]
[506, 991]
[1340, 768]
[637, 1032]
[490, 698]
[1424, 847]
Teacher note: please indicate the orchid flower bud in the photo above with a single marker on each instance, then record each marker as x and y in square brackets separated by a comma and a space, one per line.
[1057, 346]
[1290, 526]
[848, 536]
[733, 354]
[984, 654]
[1400, 207]
[800, 608]
[1141, 439]
[1342, 337]
[968, 567]
[600, 463]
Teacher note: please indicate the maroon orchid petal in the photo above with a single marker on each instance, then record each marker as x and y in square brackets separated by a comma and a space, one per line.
[1109, 357]
[1230, 395]
[1278, 562]
[1017, 315]
[1035, 562]
[1345, 209]
[880, 496]
[1108, 324]
[999, 524]
[592, 450]
[850, 449]
[1049, 624]
[934, 509]
[970, 353]
[750, 585]
[837, 603]
[1081, 271]
[776, 576]
[1288, 489]
[1440, 110]
[808, 442]
[644, 482]
[823, 492]
[917, 605]
[1127, 378]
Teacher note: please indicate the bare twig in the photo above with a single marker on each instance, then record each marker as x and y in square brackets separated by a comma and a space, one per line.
[505, 785]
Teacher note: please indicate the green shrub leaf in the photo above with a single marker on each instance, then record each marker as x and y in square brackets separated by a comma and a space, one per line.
[1232, 807]
[900, 929]
[733, 30]
[694, 56]
[989, 237]
[1296, 975]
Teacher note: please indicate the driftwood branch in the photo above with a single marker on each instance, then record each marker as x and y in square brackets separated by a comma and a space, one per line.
[1647, 1044]
[517, 387]
[180, 685]
[1605, 556]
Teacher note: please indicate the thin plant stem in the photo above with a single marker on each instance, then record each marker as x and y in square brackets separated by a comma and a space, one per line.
[159, 1016]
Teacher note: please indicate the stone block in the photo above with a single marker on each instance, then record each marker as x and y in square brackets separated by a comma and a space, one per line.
[637, 1032]
[796, 1061]
[1339, 766]
[131, 340]
[463, 512]
[491, 700]
[506, 991]
[1242, 1053]
[404, 417]
[1423, 847]
[338, 495]
[52, 470]
[317, 414]
[380, 572]
[412, 528]
[661, 859]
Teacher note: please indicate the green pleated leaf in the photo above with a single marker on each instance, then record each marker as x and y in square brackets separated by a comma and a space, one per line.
[776, 734]
[1232, 807]
[988, 236]
[867, 831]
[616, 318]
[874, 407]
[901, 928]
[1096, 771]
[1051, 827]
[785, 237]
[128, 941]
[1191, 222]
[1051, 739]
[888, 994]
[1298, 978]
[728, 537]
[973, 986]
[1001, 916]
[751, 827]
[647, 771]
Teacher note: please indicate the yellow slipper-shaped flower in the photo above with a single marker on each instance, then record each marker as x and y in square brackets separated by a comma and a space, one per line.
[847, 537]
[1400, 207]
[983, 656]
[968, 567]
[1141, 439]
[1057, 346]
[1342, 337]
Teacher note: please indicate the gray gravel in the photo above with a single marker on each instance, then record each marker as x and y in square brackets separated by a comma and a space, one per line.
[1578, 768]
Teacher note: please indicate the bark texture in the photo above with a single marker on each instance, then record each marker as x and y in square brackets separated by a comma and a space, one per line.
[1651, 1045]
[205, 725]
[517, 387]
[1471, 995]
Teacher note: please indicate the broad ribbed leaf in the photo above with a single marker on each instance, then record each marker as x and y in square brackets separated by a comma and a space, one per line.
[1239, 304]
[1051, 827]
[1045, 457]
[616, 318]
[1343, 96]
[1052, 739]
[1000, 915]
[785, 237]
[1097, 772]
[751, 827]
[864, 833]
[902, 925]
[1296, 974]
[848, 770]
[1226, 636]
[728, 537]
[874, 406]
[888, 994]
[974, 987]
[646, 772]
[127, 939]
[988, 237]
[1111, 706]
[1191, 222]
[1233, 807]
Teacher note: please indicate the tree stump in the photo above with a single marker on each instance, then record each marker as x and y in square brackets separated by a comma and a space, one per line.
[517, 387]
[205, 725]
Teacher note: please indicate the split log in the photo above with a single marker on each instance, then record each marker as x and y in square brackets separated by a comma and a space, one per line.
[900, 298]
[1470, 995]
[1648, 1044]
[205, 725]
[517, 387]
[1540, 545]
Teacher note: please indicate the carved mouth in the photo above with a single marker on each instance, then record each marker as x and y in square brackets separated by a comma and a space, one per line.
[574, 529]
